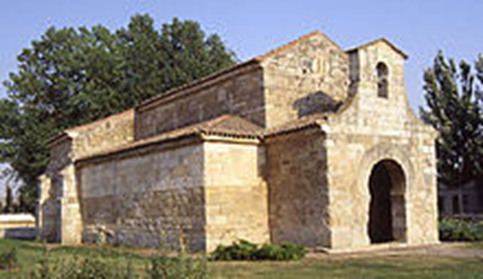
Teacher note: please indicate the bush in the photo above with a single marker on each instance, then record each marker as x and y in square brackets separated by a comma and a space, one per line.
[460, 230]
[73, 268]
[102, 263]
[246, 251]
[180, 266]
[283, 252]
[8, 260]
[238, 251]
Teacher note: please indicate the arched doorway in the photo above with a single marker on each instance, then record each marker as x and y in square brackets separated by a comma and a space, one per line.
[387, 210]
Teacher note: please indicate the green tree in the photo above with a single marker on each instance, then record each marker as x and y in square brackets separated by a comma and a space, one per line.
[72, 76]
[454, 107]
[140, 46]
[187, 54]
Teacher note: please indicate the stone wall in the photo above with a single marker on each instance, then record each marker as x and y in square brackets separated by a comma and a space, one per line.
[310, 77]
[17, 226]
[211, 193]
[236, 193]
[239, 93]
[298, 189]
[50, 192]
[59, 217]
[368, 131]
[144, 199]
[19, 220]
[103, 134]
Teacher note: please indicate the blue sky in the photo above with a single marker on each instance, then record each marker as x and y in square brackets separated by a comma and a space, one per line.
[250, 28]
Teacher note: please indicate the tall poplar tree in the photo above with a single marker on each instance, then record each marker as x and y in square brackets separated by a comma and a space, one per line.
[454, 102]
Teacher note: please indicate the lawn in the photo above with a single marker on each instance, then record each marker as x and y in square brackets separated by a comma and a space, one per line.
[407, 266]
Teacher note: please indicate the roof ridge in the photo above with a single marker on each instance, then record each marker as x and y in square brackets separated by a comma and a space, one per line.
[255, 60]
[296, 42]
[197, 129]
[381, 39]
[65, 132]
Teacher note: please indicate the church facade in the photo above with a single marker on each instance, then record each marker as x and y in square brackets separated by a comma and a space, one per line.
[309, 144]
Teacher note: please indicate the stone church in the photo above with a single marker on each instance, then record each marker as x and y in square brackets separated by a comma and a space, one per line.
[309, 144]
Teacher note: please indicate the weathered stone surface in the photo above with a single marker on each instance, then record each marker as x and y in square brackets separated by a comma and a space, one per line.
[311, 77]
[59, 217]
[240, 93]
[140, 198]
[322, 138]
[298, 189]
[236, 193]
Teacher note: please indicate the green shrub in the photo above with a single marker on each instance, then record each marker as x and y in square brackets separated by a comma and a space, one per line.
[75, 268]
[94, 265]
[88, 268]
[460, 230]
[102, 263]
[238, 251]
[283, 252]
[8, 259]
[246, 251]
[174, 267]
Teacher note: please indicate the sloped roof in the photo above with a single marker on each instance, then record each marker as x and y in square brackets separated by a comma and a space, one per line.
[383, 40]
[64, 134]
[230, 126]
[254, 61]
[226, 125]
[309, 121]
[295, 43]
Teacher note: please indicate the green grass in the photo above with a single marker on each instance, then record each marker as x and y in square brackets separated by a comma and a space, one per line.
[364, 267]
[380, 267]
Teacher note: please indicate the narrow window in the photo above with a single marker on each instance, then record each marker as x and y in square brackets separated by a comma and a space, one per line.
[382, 80]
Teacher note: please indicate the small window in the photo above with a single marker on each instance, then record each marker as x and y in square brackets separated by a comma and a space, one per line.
[382, 80]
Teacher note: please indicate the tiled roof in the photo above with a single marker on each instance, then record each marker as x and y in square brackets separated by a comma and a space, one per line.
[314, 120]
[226, 125]
[64, 133]
[386, 41]
[230, 126]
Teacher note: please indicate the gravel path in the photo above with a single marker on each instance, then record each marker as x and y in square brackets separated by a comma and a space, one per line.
[440, 250]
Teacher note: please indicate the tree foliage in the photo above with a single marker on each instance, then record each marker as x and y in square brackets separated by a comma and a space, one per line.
[454, 100]
[71, 76]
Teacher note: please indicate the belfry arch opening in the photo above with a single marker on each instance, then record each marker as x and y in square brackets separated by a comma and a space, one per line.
[382, 80]
[387, 207]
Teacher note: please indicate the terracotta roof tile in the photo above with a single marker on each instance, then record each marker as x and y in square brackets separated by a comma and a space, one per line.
[226, 125]
[230, 126]
[309, 121]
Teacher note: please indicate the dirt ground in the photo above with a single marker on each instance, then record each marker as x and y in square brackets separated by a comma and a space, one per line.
[457, 250]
